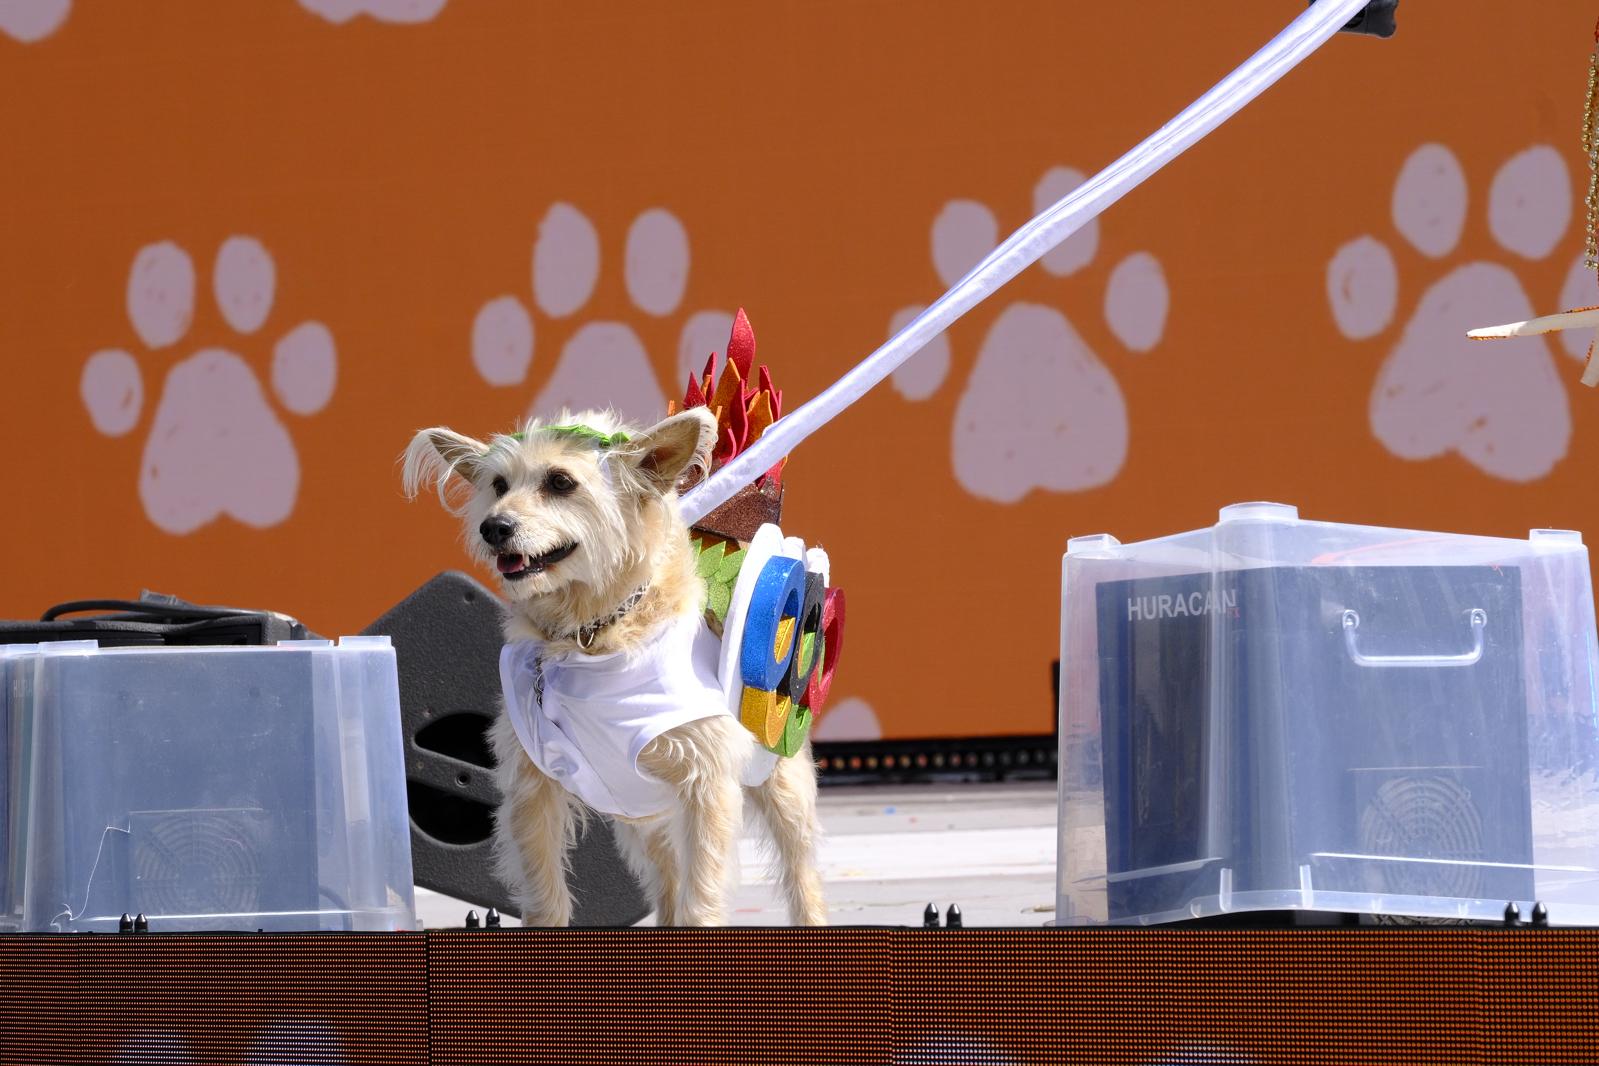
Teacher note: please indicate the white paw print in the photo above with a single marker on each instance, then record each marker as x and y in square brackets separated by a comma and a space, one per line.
[848, 719]
[215, 445]
[946, 1049]
[1039, 411]
[403, 11]
[1501, 406]
[33, 20]
[603, 364]
[153, 1046]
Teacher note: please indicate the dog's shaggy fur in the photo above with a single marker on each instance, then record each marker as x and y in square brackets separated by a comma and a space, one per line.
[618, 506]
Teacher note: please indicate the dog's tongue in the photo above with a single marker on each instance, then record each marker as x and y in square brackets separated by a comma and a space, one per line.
[511, 564]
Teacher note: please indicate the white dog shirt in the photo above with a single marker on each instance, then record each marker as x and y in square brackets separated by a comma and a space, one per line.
[583, 719]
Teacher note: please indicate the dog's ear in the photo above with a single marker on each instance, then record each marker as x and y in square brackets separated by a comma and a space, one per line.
[435, 454]
[665, 451]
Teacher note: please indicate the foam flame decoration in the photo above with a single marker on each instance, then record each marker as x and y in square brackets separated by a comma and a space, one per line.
[744, 411]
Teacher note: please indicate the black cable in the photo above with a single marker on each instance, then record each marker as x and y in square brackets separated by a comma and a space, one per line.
[133, 609]
[141, 608]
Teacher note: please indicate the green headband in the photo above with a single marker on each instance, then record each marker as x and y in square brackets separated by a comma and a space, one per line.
[604, 440]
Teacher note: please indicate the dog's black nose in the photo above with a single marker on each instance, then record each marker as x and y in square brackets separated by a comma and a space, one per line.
[496, 530]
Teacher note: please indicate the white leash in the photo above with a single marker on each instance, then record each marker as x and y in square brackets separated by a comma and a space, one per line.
[1027, 245]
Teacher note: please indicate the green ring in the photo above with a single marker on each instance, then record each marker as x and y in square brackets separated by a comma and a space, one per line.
[604, 440]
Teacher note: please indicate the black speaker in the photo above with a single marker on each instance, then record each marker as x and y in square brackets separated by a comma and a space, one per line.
[447, 642]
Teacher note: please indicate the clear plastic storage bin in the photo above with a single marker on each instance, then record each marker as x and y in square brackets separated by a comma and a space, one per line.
[1275, 714]
[15, 682]
[208, 788]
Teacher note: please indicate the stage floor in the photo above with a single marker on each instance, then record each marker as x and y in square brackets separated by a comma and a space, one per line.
[890, 850]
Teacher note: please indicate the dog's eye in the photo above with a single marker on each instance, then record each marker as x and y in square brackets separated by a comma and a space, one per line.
[501, 486]
[559, 483]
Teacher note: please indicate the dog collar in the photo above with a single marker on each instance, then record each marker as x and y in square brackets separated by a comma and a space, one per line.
[585, 634]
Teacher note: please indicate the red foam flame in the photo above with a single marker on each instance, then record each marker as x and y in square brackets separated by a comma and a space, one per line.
[743, 412]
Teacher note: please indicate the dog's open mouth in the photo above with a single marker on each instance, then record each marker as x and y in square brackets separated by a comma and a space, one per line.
[516, 567]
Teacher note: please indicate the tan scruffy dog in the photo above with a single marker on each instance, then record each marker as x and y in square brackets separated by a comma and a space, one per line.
[579, 518]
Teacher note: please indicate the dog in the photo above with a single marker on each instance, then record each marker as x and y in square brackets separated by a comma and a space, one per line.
[605, 667]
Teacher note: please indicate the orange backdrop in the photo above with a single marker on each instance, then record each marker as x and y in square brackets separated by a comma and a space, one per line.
[246, 249]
